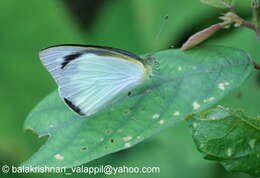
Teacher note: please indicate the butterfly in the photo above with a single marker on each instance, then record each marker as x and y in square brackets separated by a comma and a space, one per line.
[90, 77]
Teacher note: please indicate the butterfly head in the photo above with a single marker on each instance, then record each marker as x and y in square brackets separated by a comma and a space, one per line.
[151, 64]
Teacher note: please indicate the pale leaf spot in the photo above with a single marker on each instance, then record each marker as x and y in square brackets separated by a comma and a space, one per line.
[209, 99]
[226, 83]
[212, 118]
[195, 105]
[161, 121]
[127, 138]
[194, 125]
[196, 133]
[177, 113]
[59, 157]
[202, 145]
[229, 151]
[156, 116]
[222, 86]
[139, 137]
[127, 145]
[252, 143]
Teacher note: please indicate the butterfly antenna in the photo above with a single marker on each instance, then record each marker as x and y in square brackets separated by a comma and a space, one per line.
[162, 26]
[150, 57]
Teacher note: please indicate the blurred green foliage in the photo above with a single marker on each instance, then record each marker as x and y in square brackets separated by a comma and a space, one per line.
[28, 26]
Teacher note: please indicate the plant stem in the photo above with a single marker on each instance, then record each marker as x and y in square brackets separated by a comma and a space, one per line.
[255, 11]
[256, 65]
[249, 25]
[232, 17]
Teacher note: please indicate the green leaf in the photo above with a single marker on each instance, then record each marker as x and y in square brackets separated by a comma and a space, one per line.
[185, 82]
[230, 137]
[218, 3]
[245, 96]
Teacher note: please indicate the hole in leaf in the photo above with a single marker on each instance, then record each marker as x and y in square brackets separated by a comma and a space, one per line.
[127, 111]
[108, 132]
[83, 148]
[239, 94]
[111, 140]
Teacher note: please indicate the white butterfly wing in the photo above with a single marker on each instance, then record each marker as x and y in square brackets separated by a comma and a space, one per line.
[89, 79]
[54, 58]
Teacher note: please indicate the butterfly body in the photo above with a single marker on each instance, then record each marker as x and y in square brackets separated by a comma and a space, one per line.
[90, 77]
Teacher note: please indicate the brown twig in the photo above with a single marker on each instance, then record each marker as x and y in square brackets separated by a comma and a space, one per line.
[249, 25]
